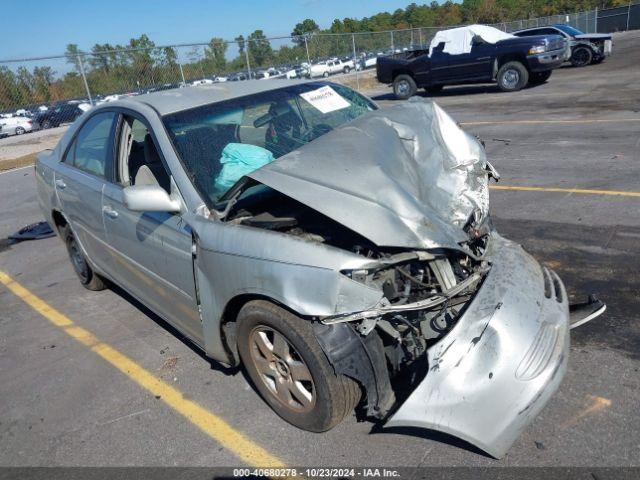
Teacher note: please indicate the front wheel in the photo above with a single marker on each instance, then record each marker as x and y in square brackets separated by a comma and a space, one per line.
[46, 124]
[325, 74]
[581, 57]
[288, 367]
[346, 69]
[88, 278]
[512, 76]
[539, 77]
[404, 86]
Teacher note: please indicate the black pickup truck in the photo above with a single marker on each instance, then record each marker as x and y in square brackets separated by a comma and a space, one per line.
[512, 63]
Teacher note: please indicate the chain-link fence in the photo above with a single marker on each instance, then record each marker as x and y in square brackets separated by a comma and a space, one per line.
[65, 85]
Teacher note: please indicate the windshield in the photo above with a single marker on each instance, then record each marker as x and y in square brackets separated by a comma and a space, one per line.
[569, 29]
[221, 142]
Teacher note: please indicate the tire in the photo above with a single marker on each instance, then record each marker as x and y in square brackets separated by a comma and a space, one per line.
[540, 77]
[46, 124]
[88, 278]
[346, 70]
[404, 86]
[278, 348]
[325, 74]
[433, 89]
[512, 76]
[581, 56]
[20, 130]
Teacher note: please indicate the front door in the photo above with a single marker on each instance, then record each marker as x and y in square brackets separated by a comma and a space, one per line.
[151, 251]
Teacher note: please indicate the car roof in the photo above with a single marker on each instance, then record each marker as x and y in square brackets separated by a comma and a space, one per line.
[536, 28]
[178, 99]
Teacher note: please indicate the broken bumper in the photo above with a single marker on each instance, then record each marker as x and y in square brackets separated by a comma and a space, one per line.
[498, 367]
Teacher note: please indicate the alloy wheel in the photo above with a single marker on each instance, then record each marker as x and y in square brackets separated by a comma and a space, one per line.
[282, 369]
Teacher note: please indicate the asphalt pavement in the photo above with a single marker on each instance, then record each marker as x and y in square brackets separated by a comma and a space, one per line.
[63, 403]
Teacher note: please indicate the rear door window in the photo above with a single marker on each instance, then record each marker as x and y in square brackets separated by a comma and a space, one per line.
[92, 147]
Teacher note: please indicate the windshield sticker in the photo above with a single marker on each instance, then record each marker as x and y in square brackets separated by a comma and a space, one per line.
[326, 99]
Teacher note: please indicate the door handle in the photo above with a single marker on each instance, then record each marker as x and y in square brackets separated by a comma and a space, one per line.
[109, 212]
[60, 183]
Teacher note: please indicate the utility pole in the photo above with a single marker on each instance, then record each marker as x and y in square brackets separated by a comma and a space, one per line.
[355, 60]
[246, 56]
[84, 79]
[306, 47]
[181, 73]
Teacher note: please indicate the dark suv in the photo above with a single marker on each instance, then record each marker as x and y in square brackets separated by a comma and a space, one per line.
[57, 115]
[511, 62]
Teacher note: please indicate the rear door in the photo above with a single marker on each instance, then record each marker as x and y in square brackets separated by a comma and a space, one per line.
[151, 251]
[80, 179]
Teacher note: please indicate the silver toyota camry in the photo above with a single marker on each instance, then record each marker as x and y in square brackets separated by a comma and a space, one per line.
[342, 254]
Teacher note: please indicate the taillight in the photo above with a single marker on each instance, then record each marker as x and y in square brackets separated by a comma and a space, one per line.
[29, 122]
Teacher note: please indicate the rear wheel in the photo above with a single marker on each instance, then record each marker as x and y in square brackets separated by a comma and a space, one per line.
[346, 69]
[288, 367]
[46, 124]
[404, 86]
[325, 74]
[88, 278]
[512, 76]
[539, 77]
[20, 130]
[581, 56]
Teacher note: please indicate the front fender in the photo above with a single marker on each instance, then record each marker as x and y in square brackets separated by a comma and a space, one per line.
[303, 276]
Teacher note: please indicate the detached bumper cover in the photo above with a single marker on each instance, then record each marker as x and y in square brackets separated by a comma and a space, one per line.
[498, 367]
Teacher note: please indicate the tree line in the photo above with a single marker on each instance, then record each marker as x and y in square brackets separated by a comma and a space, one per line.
[141, 64]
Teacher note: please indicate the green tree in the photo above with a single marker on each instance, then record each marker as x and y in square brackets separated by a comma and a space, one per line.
[214, 54]
[259, 48]
[304, 29]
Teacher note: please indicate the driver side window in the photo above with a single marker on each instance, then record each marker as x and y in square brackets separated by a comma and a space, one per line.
[139, 161]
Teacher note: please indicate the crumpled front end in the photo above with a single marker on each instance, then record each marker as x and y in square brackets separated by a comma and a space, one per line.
[499, 365]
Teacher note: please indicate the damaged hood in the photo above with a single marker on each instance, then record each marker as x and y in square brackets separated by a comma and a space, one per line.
[406, 176]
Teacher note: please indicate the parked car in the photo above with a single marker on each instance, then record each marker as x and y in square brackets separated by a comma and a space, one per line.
[315, 249]
[234, 77]
[319, 69]
[15, 125]
[473, 54]
[55, 116]
[202, 81]
[368, 61]
[585, 48]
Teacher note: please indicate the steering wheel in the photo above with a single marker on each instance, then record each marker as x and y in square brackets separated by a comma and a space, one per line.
[315, 132]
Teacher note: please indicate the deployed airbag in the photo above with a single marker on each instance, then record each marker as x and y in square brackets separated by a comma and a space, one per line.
[238, 160]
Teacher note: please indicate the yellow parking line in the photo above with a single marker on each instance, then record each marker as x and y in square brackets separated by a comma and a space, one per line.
[566, 190]
[551, 122]
[209, 423]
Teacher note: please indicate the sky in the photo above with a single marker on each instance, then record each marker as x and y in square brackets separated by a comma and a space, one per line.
[44, 27]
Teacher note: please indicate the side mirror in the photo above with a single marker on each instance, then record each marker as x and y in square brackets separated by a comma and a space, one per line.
[149, 198]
